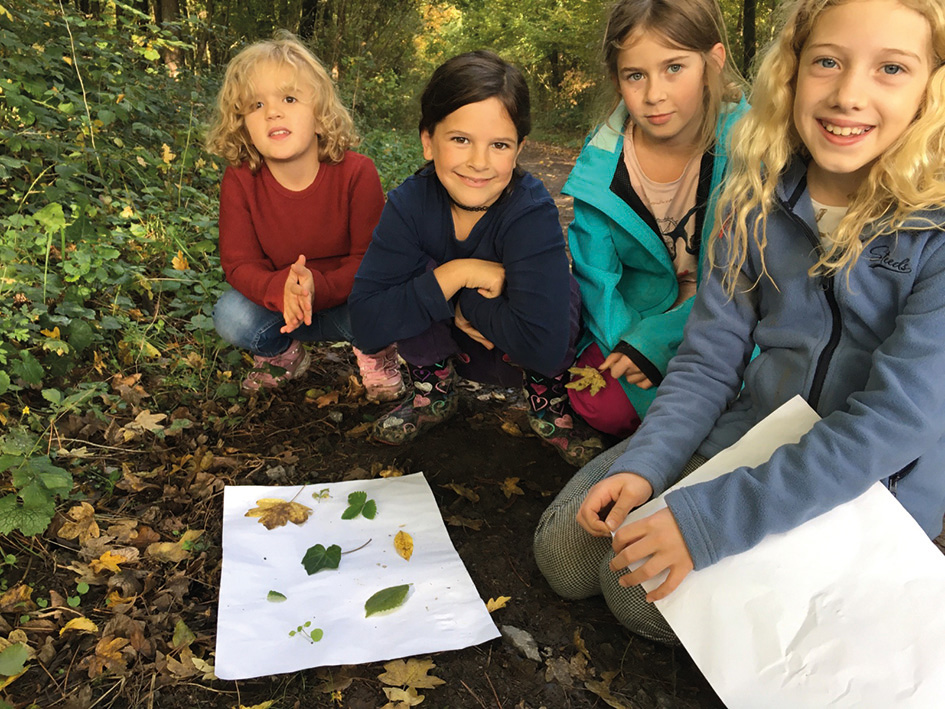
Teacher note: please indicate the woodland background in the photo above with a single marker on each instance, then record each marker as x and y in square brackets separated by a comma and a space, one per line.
[108, 254]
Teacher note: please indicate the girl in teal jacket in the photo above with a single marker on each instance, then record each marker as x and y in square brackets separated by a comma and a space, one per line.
[644, 191]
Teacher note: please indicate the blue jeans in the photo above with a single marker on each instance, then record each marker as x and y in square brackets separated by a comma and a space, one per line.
[241, 322]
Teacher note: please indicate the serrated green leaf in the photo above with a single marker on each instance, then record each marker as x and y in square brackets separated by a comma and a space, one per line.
[318, 558]
[386, 599]
[28, 368]
[358, 504]
[369, 510]
[29, 520]
[53, 396]
[13, 659]
[350, 513]
[275, 597]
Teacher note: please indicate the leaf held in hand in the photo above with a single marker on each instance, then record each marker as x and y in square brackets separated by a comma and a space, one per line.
[403, 544]
[590, 377]
[359, 504]
[386, 599]
[273, 512]
[318, 558]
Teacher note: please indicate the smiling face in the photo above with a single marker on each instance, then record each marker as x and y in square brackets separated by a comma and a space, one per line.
[281, 119]
[663, 86]
[474, 150]
[861, 79]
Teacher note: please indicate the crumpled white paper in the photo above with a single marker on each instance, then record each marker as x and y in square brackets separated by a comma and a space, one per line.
[443, 610]
[843, 611]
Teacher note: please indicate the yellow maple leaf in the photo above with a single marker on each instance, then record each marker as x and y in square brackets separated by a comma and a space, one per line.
[494, 604]
[510, 487]
[52, 334]
[403, 543]
[80, 625]
[108, 656]
[404, 698]
[166, 154]
[463, 491]
[412, 673]
[273, 512]
[180, 262]
[590, 377]
[83, 526]
[108, 561]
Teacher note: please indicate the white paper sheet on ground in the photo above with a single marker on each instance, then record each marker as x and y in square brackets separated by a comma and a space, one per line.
[843, 611]
[443, 610]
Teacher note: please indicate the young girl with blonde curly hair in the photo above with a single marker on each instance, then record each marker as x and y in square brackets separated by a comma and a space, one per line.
[831, 261]
[297, 209]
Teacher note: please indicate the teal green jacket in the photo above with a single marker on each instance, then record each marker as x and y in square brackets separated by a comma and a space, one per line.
[627, 278]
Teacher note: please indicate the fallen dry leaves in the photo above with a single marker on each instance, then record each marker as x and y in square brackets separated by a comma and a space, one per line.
[82, 525]
[273, 512]
[510, 487]
[404, 679]
[494, 604]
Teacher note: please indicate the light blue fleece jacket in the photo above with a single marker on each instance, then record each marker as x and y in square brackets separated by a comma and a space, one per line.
[627, 278]
[867, 355]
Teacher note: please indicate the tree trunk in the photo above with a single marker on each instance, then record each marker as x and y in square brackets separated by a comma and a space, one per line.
[749, 35]
[309, 18]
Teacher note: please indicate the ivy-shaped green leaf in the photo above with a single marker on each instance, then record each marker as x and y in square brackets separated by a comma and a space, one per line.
[386, 599]
[318, 558]
[359, 504]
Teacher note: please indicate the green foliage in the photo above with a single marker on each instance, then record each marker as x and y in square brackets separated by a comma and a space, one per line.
[276, 597]
[313, 635]
[359, 504]
[36, 481]
[13, 659]
[386, 599]
[318, 558]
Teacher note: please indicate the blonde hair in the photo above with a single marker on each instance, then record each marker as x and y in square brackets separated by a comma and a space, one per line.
[692, 25]
[908, 177]
[228, 137]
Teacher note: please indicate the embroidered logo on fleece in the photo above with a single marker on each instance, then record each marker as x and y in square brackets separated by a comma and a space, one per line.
[882, 257]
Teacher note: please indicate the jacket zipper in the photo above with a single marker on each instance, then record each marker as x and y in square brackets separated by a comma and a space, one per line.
[826, 282]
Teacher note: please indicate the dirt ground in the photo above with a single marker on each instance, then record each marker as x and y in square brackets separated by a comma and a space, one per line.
[152, 490]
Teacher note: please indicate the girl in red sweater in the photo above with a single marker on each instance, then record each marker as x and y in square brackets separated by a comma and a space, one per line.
[297, 209]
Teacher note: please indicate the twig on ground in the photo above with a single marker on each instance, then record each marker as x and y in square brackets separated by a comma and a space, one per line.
[475, 696]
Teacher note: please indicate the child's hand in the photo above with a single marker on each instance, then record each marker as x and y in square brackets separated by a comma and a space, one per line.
[622, 366]
[657, 537]
[609, 501]
[463, 324]
[297, 296]
[487, 277]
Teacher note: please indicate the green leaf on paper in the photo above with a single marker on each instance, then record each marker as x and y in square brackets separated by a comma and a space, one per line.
[386, 599]
[359, 504]
[275, 597]
[318, 558]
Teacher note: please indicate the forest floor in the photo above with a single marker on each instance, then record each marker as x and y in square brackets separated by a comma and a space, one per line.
[140, 559]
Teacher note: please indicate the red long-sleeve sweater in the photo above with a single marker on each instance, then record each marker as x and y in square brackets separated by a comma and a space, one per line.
[264, 227]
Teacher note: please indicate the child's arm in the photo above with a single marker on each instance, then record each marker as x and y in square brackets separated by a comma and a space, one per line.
[463, 324]
[486, 277]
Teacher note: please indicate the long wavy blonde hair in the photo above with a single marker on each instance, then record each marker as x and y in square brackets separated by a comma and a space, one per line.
[228, 137]
[908, 177]
[692, 25]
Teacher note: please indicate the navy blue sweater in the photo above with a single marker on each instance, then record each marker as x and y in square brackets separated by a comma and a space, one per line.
[396, 295]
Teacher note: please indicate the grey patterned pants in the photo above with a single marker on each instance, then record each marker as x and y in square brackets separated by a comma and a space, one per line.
[576, 564]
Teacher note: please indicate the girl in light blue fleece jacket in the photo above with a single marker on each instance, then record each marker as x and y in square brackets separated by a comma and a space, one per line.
[832, 263]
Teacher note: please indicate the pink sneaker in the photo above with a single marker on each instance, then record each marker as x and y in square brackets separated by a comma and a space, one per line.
[380, 374]
[265, 374]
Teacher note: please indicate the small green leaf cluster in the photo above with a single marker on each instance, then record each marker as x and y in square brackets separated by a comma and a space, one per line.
[313, 635]
[37, 483]
[359, 504]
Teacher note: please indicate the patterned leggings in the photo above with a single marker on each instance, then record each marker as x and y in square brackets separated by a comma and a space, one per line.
[576, 564]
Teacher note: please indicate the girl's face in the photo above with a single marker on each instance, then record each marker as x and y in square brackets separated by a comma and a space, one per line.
[663, 86]
[474, 150]
[281, 121]
[861, 79]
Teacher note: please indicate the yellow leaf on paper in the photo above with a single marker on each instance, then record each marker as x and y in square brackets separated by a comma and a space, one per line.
[403, 543]
[510, 487]
[273, 512]
[166, 154]
[82, 526]
[412, 673]
[494, 604]
[80, 625]
[180, 262]
[107, 561]
[590, 377]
